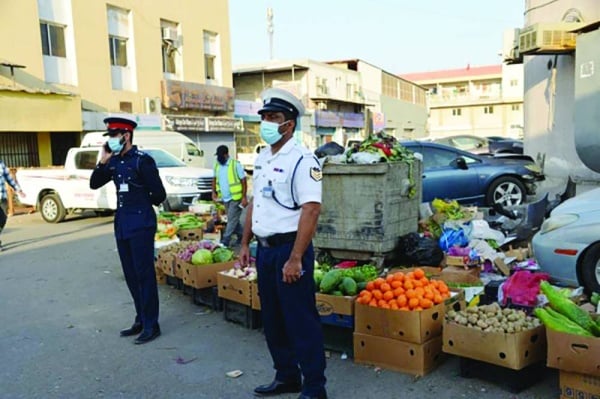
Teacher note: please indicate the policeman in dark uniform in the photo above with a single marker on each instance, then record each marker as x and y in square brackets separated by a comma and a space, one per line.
[138, 184]
[283, 216]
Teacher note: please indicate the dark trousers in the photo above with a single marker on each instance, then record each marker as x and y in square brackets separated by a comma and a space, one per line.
[137, 260]
[3, 210]
[291, 322]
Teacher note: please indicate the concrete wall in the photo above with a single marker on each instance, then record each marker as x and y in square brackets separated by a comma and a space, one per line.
[549, 95]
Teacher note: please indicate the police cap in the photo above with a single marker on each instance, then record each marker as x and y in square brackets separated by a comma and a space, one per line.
[115, 125]
[279, 100]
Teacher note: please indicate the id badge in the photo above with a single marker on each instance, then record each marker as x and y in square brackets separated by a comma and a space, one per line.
[124, 188]
[267, 192]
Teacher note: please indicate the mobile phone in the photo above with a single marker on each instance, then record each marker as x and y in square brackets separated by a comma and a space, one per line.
[107, 148]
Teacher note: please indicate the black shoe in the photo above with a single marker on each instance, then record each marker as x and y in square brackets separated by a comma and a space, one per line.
[147, 336]
[321, 396]
[135, 329]
[278, 387]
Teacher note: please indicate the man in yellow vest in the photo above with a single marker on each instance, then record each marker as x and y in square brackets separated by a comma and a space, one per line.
[229, 185]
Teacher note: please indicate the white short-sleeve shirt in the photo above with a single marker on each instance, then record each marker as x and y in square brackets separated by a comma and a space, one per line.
[272, 183]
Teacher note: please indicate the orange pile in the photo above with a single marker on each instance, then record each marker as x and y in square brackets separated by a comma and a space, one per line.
[399, 291]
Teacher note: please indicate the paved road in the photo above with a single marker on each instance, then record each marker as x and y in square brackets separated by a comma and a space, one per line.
[64, 300]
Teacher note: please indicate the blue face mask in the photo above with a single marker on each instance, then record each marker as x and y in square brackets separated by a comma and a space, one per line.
[269, 131]
[116, 144]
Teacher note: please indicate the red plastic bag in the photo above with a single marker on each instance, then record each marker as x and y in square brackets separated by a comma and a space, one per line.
[522, 288]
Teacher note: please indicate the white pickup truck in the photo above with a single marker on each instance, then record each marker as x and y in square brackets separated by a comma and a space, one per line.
[57, 192]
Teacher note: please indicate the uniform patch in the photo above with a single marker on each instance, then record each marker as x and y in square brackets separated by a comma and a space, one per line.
[316, 174]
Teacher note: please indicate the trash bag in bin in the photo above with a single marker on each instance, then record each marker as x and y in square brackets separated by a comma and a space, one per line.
[331, 148]
[420, 251]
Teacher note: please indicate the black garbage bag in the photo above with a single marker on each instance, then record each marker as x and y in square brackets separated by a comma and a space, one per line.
[414, 250]
[331, 148]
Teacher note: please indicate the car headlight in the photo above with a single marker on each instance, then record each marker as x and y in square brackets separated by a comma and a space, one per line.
[535, 169]
[181, 181]
[558, 221]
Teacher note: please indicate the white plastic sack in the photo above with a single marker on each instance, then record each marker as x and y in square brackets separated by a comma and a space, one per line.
[480, 229]
[365, 157]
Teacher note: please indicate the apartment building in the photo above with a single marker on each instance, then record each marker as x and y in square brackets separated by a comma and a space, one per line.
[344, 100]
[66, 64]
[481, 101]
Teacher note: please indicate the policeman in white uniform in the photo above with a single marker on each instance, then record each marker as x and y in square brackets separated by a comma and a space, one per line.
[283, 216]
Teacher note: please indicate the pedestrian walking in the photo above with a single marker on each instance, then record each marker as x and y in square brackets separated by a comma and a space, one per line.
[138, 184]
[229, 185]
[5, 177]
[283, 216]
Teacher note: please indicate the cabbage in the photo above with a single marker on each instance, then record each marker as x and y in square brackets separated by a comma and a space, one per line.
[202, 257]
[222, 255]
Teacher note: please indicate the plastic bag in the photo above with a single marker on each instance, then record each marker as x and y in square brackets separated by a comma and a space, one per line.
[331, 148]
[366, 157]
[453, 238]
[522, 288]
[420, 251]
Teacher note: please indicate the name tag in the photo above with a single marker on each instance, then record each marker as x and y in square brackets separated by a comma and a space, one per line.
[267, 192]
[123, 188]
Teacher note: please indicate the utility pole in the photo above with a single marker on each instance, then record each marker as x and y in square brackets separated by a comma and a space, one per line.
[270, 30]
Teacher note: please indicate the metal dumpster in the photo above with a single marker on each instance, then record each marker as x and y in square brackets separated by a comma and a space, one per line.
[365, 208]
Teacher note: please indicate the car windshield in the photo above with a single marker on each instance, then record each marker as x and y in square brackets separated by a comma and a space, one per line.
[163, 159]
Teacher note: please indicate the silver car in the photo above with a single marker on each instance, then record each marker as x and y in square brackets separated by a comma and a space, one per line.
[568, 243]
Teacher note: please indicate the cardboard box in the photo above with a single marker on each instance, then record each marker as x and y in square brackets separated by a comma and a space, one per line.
[454, 274]
[578, 386]
[574, 353]
[462, 261]
[216, 237]
[410, 326]
[190, 234]
[255, 300]
[407, 357]
[166, 262]
[234, 289]
[519, 253]
[457, 300]
[161, 277]
[203, 276]
[332, 304]
[513, 351]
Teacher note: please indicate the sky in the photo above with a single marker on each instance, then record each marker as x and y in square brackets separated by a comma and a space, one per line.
[400, 36]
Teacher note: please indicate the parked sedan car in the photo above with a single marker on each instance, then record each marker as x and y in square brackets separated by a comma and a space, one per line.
[465, 142]
[503, 145]
[450, 173]
[568, 243]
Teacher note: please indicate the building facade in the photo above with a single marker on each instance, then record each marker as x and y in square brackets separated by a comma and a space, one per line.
[481, 101]
[562, 92]
[344, 100]
[73, 63]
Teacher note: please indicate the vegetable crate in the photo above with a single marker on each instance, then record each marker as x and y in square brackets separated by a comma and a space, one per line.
[208, 297]
[365, 208]
[514, 381]
[510, 350]
[202, 276]
[234, 289]
[336, 310]
[338, 339]
[241, 314]
[406, 357]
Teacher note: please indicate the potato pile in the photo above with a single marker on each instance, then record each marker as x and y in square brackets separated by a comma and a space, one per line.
[492, 318]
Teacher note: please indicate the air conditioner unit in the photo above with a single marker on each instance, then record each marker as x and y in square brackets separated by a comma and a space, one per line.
[152, 105]
[547, 38]
[169, 34]
[510, 48]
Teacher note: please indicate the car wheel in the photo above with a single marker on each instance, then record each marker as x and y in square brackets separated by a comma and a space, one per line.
[52, 209]
[506, 191]
[590, 269]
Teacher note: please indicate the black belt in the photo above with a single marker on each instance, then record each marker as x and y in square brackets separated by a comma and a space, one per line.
[277, 239]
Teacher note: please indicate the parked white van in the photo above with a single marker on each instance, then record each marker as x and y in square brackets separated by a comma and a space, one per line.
[174, 143]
